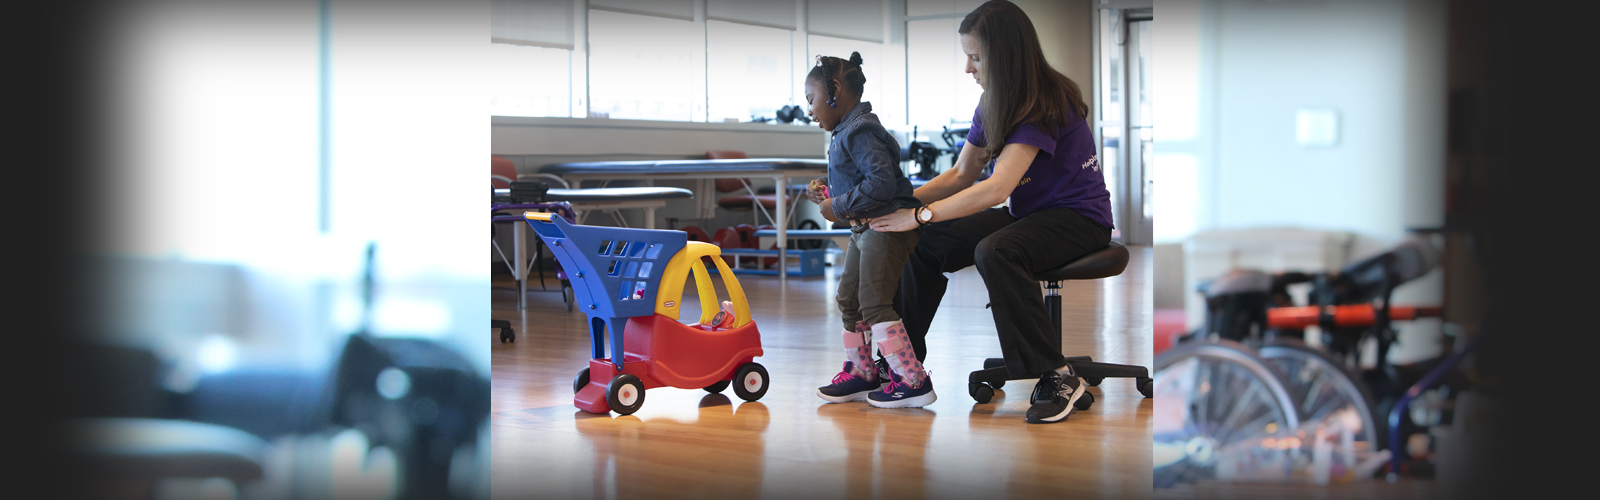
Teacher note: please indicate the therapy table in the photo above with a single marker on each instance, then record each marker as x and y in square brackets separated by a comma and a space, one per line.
[780, 170]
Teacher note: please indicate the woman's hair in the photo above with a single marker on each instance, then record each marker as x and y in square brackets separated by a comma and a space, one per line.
[828, 68]
[1019, 84]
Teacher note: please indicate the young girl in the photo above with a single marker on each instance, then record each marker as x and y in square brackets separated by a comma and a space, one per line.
[864, 181]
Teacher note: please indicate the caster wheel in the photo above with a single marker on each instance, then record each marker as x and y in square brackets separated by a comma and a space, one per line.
[1084, 402]
[1144, 386]
[717, 387]
[567, 296]
[751, 382]
[1094, 381]
[506, 335]
[997, 384]
[980, 392]
[581, 380]
[625, 394]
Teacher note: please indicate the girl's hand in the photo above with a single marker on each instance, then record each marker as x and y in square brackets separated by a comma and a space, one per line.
[904, 219]
[826, 208]
[814, 190]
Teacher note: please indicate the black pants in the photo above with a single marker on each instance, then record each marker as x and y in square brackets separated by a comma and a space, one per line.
[1007, 251]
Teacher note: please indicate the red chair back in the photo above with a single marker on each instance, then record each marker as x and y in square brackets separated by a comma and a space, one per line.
[502, 167]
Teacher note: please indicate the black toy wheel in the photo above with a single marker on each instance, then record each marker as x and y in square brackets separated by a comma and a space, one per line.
[567, 295]
[581, 380]
[625, 394]
[1144, 386]
[980, 392]
[1084, 401]
[717, 387]
[1093, 381]
[506, 335]
[750, 382]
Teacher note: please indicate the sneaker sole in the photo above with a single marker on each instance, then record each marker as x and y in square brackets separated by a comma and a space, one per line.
[1062, 417]
[859, 396]
[911, 402]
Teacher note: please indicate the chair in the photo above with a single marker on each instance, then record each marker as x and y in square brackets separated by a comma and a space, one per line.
[1104, 263]
[502, 172]
[753, 197]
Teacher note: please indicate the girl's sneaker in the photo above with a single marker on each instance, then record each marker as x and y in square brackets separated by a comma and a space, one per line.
[847, 386]
[899, 395]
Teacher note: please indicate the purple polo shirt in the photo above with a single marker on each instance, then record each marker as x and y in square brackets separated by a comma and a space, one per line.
[1065, 174]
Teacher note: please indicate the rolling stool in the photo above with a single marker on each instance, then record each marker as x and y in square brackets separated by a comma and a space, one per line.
[1102, 263]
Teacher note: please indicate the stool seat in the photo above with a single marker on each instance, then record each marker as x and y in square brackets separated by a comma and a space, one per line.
[1103, 263]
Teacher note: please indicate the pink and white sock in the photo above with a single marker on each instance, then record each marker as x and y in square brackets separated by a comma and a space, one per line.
[858, 350]
[895, 345]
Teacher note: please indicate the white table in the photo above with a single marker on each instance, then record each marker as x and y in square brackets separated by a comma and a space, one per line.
[780, 170]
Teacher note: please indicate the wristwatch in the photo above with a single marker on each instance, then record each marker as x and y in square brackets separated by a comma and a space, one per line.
[924, 215]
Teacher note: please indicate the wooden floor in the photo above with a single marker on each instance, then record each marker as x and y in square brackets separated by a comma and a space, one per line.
[689, 444]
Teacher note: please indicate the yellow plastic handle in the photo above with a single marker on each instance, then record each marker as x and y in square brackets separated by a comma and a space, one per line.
[539, 216]
[677, 272]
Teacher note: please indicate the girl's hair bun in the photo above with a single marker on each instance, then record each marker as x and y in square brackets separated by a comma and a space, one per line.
[855, 58]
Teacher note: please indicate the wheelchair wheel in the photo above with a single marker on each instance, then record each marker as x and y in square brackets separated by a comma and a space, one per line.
[1221, 414]
[1328, 395]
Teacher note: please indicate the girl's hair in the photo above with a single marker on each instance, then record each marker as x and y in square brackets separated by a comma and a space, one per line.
[1019, 84]
[828, 68]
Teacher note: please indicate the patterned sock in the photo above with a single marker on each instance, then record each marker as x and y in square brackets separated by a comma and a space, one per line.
[895, 344]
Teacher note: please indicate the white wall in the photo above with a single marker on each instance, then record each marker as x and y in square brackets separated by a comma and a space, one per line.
[1379, 64]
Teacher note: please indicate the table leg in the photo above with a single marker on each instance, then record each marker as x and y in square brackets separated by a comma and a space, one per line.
[519, 256]
[778, 222]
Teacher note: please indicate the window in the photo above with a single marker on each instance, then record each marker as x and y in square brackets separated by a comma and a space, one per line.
[530, 81]
[749, 70]
[940, 90]
[643, 67]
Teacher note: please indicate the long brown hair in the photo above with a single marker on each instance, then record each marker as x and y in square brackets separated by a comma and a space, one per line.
[1019, 84]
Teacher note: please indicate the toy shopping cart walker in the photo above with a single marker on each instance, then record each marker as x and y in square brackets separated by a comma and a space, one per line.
[616, 274]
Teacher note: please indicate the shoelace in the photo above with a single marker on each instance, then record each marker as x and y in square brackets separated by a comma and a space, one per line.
[844, 376]
[1048, 385]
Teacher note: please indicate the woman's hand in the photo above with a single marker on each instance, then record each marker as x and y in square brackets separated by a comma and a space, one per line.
[904, 219]
[814, 190]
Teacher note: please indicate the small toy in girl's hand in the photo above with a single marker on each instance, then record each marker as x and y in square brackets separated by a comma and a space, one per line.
[818, 186]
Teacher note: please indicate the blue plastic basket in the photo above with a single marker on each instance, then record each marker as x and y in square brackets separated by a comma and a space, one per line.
[615, 272]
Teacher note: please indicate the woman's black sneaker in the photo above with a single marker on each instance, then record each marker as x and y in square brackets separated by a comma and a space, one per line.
[1053, 397]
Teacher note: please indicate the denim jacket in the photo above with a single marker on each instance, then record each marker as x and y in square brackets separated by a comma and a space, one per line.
[864, 174]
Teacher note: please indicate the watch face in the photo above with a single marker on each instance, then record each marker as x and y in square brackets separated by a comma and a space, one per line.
[925, 214]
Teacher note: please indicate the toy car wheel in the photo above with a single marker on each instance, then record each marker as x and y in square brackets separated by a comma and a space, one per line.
[980, 392]
[717, 387]
[1144, 386]
[625, 394]
[1084, 401]
[750, 382]
[1094, 381]
[581, 380]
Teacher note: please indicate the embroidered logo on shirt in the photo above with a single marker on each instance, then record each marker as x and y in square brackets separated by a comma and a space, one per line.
[1093, 162]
